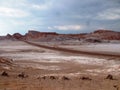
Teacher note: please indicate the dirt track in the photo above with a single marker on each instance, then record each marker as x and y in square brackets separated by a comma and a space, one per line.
[70, 50]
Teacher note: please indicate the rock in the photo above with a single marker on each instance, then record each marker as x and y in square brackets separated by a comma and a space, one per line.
[17, 36]
[116, 86]
[8, 36]
[102, 31]
[47, 77]
[6, 61]
[85, 78]
[97, 36]
[44, 77]
[65, 78]
[33, 35]
[4, 74]
[105, 35]
[53, 77]
[110, 77]
[22, 75]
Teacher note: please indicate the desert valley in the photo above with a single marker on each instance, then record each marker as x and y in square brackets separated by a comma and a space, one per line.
[52, 61]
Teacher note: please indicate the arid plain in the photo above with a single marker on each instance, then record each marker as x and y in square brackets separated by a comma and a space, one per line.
[45, 69]
[51, 61]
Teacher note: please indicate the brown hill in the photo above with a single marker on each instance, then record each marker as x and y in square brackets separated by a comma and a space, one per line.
[17, 36]
[53, 36]
[31, 35]
[48, 36]
[105, 35]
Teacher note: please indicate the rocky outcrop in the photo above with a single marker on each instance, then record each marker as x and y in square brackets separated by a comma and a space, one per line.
[103, 31]
[31, 35]
[8, 36]
[17, 36]
[104, 35]
[96, 36]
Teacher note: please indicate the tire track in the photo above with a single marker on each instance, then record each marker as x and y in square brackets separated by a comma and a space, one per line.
[71, 50]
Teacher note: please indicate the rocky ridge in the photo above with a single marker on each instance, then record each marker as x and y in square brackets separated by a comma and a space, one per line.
[53, 36]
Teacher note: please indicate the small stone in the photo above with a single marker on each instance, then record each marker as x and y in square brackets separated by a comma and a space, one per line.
[44, 77]
[86, 78]
[110, 77]
[65, 78]
[52, 77]
[22, 75]
[5, 74]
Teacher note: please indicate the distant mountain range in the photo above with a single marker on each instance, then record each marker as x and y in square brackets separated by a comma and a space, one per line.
[53, 36]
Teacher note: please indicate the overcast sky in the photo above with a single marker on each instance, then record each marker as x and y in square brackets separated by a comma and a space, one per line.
[62, 16]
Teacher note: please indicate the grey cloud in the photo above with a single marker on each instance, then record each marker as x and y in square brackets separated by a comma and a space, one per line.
[93, 14]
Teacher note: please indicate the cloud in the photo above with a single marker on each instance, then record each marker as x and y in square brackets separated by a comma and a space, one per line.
[40, 7]
[109, 14]
[43, 6]
[50, 28]
[12, 12]
[61, 15]
[67, 27]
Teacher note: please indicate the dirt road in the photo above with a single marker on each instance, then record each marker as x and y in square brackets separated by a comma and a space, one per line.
[71, 51]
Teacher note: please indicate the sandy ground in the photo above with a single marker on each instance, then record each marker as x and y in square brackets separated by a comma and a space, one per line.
[103, 48]
[38, 62]
[110, 48]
